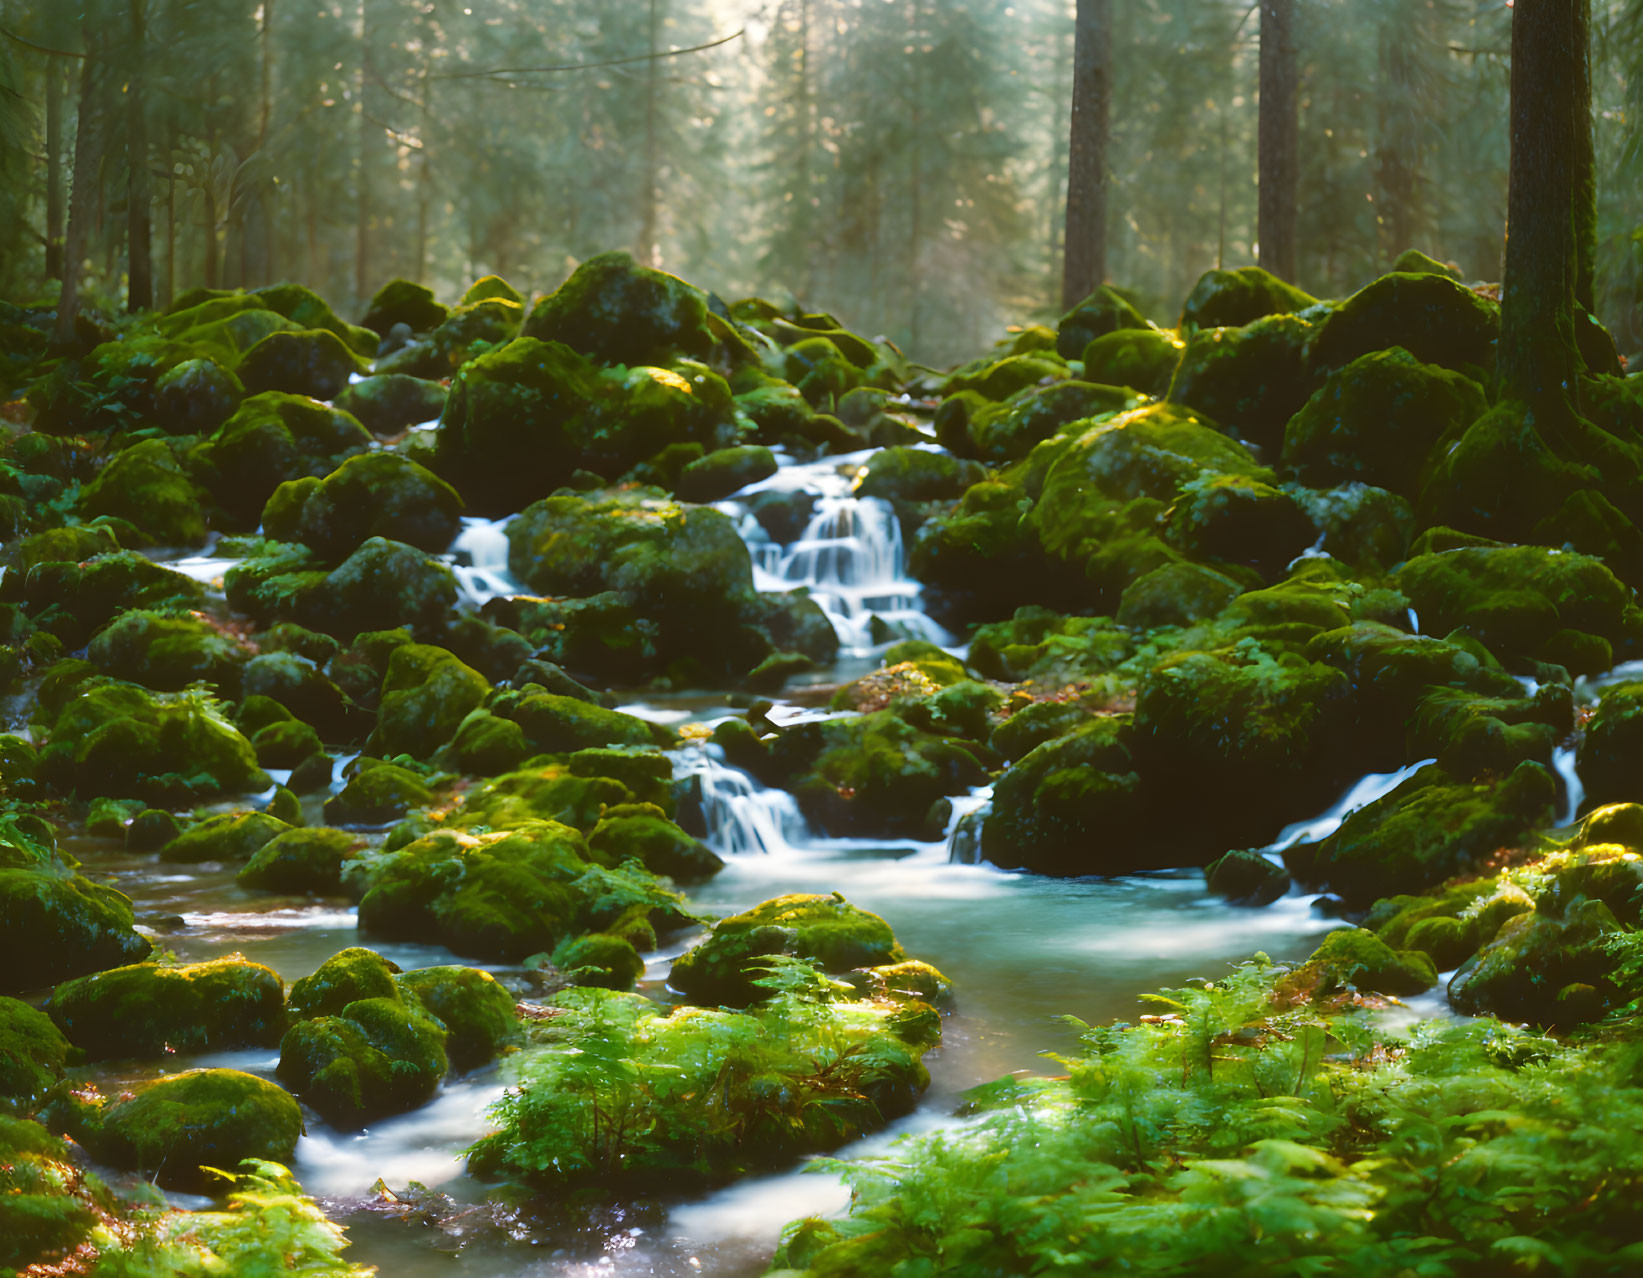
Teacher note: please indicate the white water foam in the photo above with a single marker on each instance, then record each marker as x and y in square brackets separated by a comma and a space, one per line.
[1367, 789]
[479, 558]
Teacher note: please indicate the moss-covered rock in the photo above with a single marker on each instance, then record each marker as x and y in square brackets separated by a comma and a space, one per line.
[401, 301]
[1175, 594]
[1543, 969]
[998, 379]
[1249, 381]
[426, 694]
[179, 1127]
[1610, 757]
[390, 402]
[272, 438]
[1358, 958]
[304, 307]
[486, 744]
[1102, 312]
[1431, 316]
[286, 744]
[478, 1013]
[1520, 601]
[296, 684]
[969, 425]
[1429, 829]
[86, 595]
[1376, 419]
[906, 474]
[721, 473]
[168, 652]
[228, 836]
[1143, 359]
[196, 397]
[642, 831]
[618, 312]
[599, 959]
[33, 1053]
[303, 860]
[1223, 298]
[146, 485]
[377, 793]
[315, 363]
[382, 584]
[824, 930]
[1235, 519]
[377, 495]
[1246, 877]
[146, 1009]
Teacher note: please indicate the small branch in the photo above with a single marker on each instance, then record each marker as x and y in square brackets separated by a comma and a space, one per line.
[40, 48]
[493, 72]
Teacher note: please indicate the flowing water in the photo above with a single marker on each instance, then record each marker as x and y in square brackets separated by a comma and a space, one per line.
[1022, 951]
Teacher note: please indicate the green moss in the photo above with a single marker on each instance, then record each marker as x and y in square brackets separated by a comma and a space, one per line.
[1429, 829]
[316, 363]
[272, 438]
[346, 977]
[229, 836]
[1102, 312]
[1607, 756]
[1437, 320]
[147, 1010]
[107, 818]
[63, 545]
[304, 860]
[824, 930]
[1376, 419]
[1246, 878]
[145, 485]
[285, 745]
[599, 959]
[1526, 972]
[390, 402]
[33, 1054]
[196, 397]
[94, 591]
[998, 379]
[643, 832]
[426, 694]
[726, 471]
[400, 301]
[1240, 296]
[485, 744]
[376, 794]
[1249, 381]
[1176, 594]
[1358, 958]
[545, 791]
[477, 1011]
[969, 425]
[178, 1128]
[296, 684]
[376, 495]
[168, 652]
[383, 583]
[488, 286]
[1235, 519]
[618, 312]
[917, 474]
[307, 308]
[1143, 359]
[554, 724]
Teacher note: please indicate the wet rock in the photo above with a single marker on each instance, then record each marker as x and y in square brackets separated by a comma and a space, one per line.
[377, 793]
[1249, 381]
[168, 652]
[33, 1053]
[1246, 878]
[1142, 359]
[644, 832]
[825, 930]
[315, 363]
[601, 960]
[1102, 312]
[146, 485]
[1358, 958]
[377, 495]
[1545, 970]
[147, 1010]
[618, 312]
[1240, 296]
[917, 475]
[305, 860]
[426, 694]
[477, 1011]
[401, 301]
[272, 438]
[228, 836]
[196, 397]
[1437, 320]
[721, 473]
[389, 403]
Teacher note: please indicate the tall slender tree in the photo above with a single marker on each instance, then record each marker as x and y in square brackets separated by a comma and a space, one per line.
[1085, 266]
[1279, 138]
[89, 146]
[139, 204]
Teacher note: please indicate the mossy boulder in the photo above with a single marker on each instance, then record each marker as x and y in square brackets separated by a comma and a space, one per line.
[402, 301]
[302, 860]
[557, 725]
[479, 1015]
[196, 397]
[906, 474]
[1102, 312]
[1072, 806]
[998, 379]
[272, 438]
[1368, 529]
[1430, 828]
[146, 485]
[55, 924]
[33, 1053]
[1176, 594]
[178, 1128]
[381, 585]
[826, 931]
[86, 595]
[112, 737]
[297, 684]
[376, 495]
[1233, 298]
[426, 694]
[601, 960]
[726, 471]
[1249, 381]
[167, 652]
[315, 363]
[286, 744]
[1435, 319]
[376, 794]
[971, 426]
[1358, 958]
[486, 744]
[390, 402]
[1238, 520]
[643, 831]
[1550, 971]
[1610, 757]
[1246, 877]
[1376, 419]
[228, 836]
[303, 306]
[1143, 359]
[618, 312]
[1522, 602]
[148, 1010]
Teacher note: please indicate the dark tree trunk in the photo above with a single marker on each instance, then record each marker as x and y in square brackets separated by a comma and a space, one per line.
[83, 212]
[54, 169]
[139, 229]
[648, 196]
[1084, 267]
[1583, 182]
[915, 225]
[1279, 138]
[1397, 169]
[362, 218]
[1537, 357]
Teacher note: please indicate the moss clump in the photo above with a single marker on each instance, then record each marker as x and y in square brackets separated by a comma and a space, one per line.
[146, 485]
[391, 402]
[1607, 758]
[1432, 317]
[168, 652]
[618, 312]
[1429, 829]
[1552, 971]
[599, 959]
[917, 474]
[377, 495]
[1102, 312]
[271, 438]
[305, 860]
[710, 1094]
[93, 592]
[998, 379]
[382, 584]
[315, 363]
[1358, 958]
[146, 1009]
[179, 1128]
[1238, 520]
[229, 836]
[1143, 359]
[287, 744]
[55, 925]
[401, 301]
[426, 694]
[196, 397]
[1249, 381]
[308, 309]
[826, 931]
[1240, 296]
[726, 471]
[377, 793]
[557, 725]
[33, 1053]
[295, 684]
[969, 425]
[479, 1015]
[485, 745]
[643, 832]
[360, 1047]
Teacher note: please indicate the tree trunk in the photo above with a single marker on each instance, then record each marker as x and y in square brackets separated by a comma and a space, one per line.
[1397, 168]
[88, 159]
[1279, 142]
[1583, 181]
[1537, 360]
[648, 197]
[915, 228]
[1085, 265]
[54, 169]
[362, 221]
[139, 214]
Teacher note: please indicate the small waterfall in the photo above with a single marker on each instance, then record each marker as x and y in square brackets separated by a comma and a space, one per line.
[1574, 792]
[964, 832]
[850, 556]
[479, 558]
[1366, 790]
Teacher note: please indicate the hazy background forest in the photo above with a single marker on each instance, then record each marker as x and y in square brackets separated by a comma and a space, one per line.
[899, 162]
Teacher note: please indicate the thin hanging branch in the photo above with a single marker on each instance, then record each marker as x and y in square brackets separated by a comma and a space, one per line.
[494, 73]
[56, 53]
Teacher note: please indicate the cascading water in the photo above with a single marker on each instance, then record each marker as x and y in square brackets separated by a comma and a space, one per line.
[849, 556]
[479, 558]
